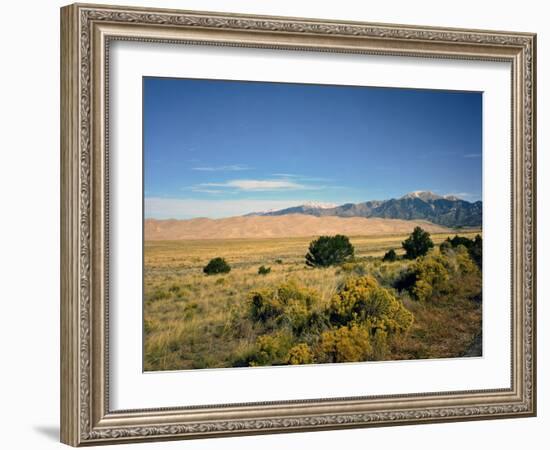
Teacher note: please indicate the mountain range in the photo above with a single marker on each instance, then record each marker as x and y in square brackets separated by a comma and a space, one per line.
[449, 210]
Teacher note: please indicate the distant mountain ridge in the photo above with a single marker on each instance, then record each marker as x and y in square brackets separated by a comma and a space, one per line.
[449, 211]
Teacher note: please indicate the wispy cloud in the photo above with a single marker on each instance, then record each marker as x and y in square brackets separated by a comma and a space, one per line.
[229, 168]
[286, 175]
[472, 155]
[207, 191]
[260, 185]
[300, 177]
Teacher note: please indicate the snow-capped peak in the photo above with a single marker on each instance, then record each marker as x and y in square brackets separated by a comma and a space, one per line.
[429, 196]
[319, 205]
[422, 195]
[452, 197]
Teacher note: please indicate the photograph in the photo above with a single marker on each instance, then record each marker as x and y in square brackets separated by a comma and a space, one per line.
[288, 224]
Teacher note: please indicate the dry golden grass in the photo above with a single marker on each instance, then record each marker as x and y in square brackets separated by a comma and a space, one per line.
[196, 321]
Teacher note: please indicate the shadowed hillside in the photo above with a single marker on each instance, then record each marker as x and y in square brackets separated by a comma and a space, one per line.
[448, 211]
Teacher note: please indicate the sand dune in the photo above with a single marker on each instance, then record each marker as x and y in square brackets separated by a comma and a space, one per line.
[292, 225]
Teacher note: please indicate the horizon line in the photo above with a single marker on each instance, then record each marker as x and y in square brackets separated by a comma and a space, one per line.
[171, 208]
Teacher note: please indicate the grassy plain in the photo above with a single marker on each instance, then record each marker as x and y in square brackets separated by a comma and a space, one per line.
[192, 320]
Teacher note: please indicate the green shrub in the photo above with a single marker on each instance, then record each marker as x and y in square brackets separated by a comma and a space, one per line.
[474, 247]
[363, 300]
[445, 246]
[390, 256]
[460, 240]
[216, 265]
[329, 250]
[417, 244]
[405, 281]
[265, 305]
[264, 270]
[476, 251]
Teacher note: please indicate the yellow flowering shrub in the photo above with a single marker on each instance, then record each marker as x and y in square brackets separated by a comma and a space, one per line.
[432, 277]
[300, 354]
[446, 274]
[287, 305]
[266, 351]
[465, 263]
[345, 344]
[270, 349]
[468, 280]
[362, 300]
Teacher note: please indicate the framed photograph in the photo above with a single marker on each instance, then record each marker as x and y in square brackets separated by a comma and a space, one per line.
[274, 224]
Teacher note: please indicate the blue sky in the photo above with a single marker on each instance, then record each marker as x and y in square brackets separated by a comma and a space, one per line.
[225, 148]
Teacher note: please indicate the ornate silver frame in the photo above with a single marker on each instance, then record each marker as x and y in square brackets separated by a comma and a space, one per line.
[86, 31]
